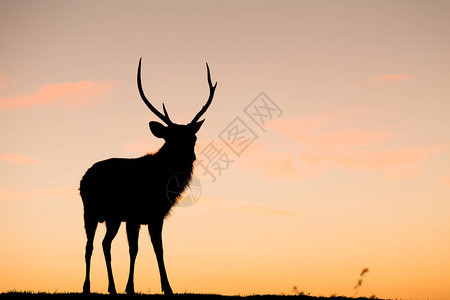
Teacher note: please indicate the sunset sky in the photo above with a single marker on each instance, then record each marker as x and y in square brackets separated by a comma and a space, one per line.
[351, 171]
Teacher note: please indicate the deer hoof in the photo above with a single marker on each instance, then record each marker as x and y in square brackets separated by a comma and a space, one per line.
[87, 288]
[168, 291]
[112, 290]
[129, 291]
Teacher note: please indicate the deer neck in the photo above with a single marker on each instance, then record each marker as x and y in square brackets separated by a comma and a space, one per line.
[180, 159]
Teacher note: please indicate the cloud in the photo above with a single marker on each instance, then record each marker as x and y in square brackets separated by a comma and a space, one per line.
[315, 131]
[18, 159]
[404, 173]
[375, 159]
[318, 146]
[67, 95]
[340, 139]
[394, 77]
[396, 164]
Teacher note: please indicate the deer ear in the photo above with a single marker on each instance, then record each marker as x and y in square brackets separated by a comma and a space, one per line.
[158, 129]
[196, 126]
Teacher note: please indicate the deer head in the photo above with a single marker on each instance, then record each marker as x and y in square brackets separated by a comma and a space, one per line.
[181, 137]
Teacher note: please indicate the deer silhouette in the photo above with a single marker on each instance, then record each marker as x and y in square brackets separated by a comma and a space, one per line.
[135, 190]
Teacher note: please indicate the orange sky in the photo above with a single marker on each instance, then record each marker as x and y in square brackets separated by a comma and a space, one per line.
[353, 174]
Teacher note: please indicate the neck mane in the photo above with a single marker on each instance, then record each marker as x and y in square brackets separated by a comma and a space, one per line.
[176, 159]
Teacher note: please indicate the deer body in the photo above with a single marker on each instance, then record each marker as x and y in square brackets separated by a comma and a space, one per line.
[135, 191]
[132, 188]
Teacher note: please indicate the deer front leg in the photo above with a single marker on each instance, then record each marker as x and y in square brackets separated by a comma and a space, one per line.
[156, 237]
[90, 227]
[133, 236]
[111, 230]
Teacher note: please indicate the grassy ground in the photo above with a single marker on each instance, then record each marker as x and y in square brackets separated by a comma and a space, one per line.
[69, 296]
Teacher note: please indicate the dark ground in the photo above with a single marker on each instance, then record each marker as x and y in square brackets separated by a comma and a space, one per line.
[68, 296]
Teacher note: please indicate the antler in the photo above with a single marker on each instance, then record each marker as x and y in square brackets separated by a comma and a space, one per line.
[165, 118]
[212, 89]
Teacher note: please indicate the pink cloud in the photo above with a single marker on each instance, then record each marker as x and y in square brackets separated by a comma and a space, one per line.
[394, 77]
[337, 139]
[395, 164]
[404, 173]
[315, 131]
[68, 95]
[18, 159]
[297, 128]
[322, 147]
[375, 159]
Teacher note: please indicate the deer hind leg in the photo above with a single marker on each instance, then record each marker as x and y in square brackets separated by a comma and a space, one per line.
[156, 237]
[90, 226]
[133, 236]
[111, 230]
